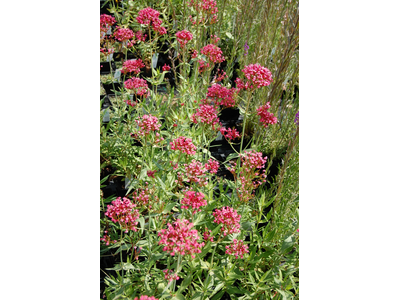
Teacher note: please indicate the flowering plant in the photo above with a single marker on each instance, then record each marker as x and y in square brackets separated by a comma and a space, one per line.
[199, 153]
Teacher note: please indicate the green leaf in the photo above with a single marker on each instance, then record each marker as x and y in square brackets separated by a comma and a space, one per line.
[218, 296]
[287, 243]
[232, 156]
[229, 35]
[168, 208]
[185, 283]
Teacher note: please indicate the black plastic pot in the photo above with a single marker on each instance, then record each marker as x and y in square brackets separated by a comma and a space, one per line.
[109, 88]
[105, 67]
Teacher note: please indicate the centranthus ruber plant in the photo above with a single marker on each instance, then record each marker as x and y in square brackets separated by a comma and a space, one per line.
[199, 150]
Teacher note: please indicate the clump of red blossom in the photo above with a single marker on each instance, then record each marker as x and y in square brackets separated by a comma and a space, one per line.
[237, 248]
[222, 95]
[212, 166]
[256, 76]
[105, 22]
[193, 200]
[250, 177]
[203, 65]
[266, 117]
[138, 85]
[170, 275]
[132, 66]
[213, 53]
[229, 218]
[140, 36]
[207, 235]
[149, 16]
[206, 7]
[221, 75]
[184, 145]
[123, 213]
[107, 239]
[146, 124]
[180, 238]
[206, 114]
[144, 297]
[229, 134]
[195, 173]
[166, 68]
[184, 37]
[123, 34]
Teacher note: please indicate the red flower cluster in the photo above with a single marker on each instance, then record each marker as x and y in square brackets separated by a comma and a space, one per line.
[149, 16]
[205, 114]
[212, 165]
[142, 196]
[184, 37]
[214, 39]
[208, 7]
[203, 65]
[193, 200]
[107, 239]
[139, 86]
[265, 116]
[146, 124]
[123, 34]
[220, 76]
[207, 235]
[194, 54]
[213, 52]
[229, 133]
[179, 238]
[250, 161]
[229, 218]
[237, 248]
[195, 172]
[184, 145]
[170, 275]
[222, 95]
[122, 212]
[105, 22]
[133, 65]
[166, 68]
[144, 297]
[257, 76]
[140, 36]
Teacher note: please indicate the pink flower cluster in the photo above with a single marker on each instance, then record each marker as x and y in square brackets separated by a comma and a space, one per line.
[179, 238]
[170, 275]
[107, 239]
[123, 213]
[214, 39]
[229, 133]
[123, 34]
[195, 172]
[250, 162]
[184, 37]
[193, 200]
[206, 114]
[237, 248]
[257, 76]
[149, 16]
[207, 235]
[140, 36]
[212, 166]
[213, 53]
[229, 218]
[105, 22]
[208, 7]
[203, 65]
[133, 65]
[184, 145]
[142, 196]
[146, 124]
[194, 54]
[265, 116]
[222, 95]
[166, 68]
[139, 86]
[144, 297]
[220, 76]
